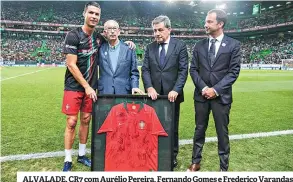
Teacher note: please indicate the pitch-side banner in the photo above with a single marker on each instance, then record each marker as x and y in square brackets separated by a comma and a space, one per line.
[154, 177]
[132, 133]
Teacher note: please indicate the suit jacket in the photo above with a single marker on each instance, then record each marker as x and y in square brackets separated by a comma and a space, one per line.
[221, 75]
[126, 75]
[172, 75]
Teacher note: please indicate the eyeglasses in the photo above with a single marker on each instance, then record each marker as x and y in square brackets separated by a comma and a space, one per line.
[112, 28]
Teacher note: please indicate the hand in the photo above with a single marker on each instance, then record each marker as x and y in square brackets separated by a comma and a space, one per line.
[209, 93]
[172, 96]
[137, 90]
[203, 90]
[91, 93]
[130, 44]
[152, 93]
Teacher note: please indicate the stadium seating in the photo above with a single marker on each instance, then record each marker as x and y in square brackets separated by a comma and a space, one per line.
[38, 47]
[134, 14]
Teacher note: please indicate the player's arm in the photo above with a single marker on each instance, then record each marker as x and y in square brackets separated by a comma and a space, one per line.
[71, 61]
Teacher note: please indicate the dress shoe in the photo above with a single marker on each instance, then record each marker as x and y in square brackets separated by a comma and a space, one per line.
[193, 168]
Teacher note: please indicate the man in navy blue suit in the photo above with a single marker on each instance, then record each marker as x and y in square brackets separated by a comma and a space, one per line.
[214, 68]
[118, 73]
[165, 70]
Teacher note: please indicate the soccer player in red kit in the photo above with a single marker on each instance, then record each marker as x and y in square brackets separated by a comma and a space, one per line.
[81, 47]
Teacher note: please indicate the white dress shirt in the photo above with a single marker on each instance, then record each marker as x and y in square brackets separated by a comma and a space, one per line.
[166, 46]
[217, 43]
[217, 46]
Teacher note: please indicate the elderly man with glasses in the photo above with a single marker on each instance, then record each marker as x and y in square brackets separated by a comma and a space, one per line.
[118, 73]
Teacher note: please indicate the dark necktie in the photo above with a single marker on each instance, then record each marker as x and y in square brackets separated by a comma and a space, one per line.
[212, 52]
[162, 54]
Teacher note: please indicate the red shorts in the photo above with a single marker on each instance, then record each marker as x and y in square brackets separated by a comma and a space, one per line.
[74, 101]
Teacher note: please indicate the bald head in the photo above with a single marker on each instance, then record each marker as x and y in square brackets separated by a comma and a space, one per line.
[111, 23]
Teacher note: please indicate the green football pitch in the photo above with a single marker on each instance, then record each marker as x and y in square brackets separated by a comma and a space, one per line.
[32, 122]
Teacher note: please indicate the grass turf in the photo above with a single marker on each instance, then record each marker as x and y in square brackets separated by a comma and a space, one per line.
[32, 120]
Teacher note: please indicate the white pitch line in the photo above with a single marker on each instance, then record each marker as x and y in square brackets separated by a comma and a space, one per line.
[24, 74]
[242, 136]
[181, 142]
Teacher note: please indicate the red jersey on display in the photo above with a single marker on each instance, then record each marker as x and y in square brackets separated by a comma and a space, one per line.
[132, 138]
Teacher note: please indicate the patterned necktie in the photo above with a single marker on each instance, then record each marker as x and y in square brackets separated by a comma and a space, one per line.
[212, 51]
[162, 54]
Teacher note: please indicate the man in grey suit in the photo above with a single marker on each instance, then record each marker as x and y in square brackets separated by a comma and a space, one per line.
[214, 68]
[165, 69]
[118, 73]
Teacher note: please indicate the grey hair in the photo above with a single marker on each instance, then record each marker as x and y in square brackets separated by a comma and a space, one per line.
[108, 21]
[164, 19]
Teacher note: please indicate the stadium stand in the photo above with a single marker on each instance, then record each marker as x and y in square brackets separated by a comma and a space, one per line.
[134, 14]
[266, 47]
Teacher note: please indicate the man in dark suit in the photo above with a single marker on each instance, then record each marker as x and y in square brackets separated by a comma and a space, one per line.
[214, 68]
[118, 73]
[165, 69]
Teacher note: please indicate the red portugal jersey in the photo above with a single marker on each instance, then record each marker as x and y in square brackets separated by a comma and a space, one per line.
[132, 138]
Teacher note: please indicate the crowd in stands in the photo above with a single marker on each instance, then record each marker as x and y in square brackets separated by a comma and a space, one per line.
[269, 18]
[31, 47]
[133, 14]
[37, 47]
[267, 50]
[34, 47]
